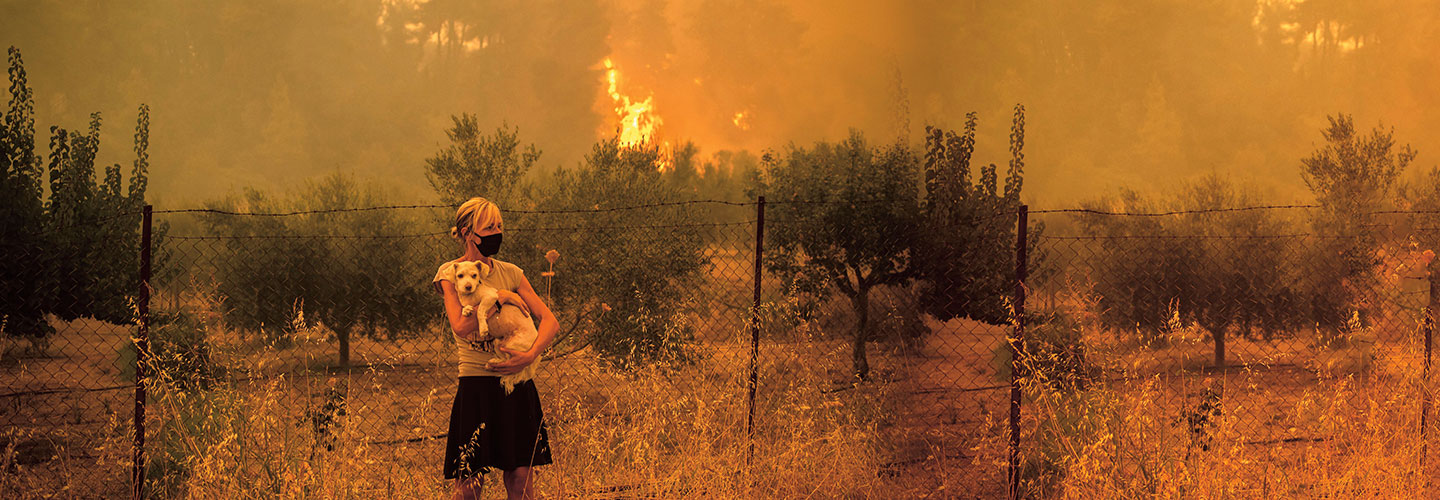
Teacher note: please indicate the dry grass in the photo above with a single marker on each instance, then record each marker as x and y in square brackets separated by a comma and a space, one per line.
[1108, 443]
[1287, 418]
[661, 431]
[1296, 420]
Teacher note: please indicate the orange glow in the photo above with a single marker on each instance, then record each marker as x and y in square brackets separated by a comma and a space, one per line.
[638, 124]
[741, 120]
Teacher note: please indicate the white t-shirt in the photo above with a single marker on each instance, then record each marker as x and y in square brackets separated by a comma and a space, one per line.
[503, 276]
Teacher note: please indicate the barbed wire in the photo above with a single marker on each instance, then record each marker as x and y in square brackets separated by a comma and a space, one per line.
[452, 207]
[305, 236]
[1092, 211]
[1242, 236]
[832, 202]
[447, 234]
[97, 222]
[217, 211]
[1403, 212]
[1182, 236]
[972, 220]
[655, 226]
[781, 222]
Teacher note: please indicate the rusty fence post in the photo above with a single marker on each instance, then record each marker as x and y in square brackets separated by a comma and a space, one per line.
[1425, 386]
[755, 326]
[142, 349]
[1017, 350]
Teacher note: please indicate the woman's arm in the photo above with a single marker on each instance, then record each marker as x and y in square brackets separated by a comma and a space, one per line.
[545, 332]
[514, 299]
[466, 327]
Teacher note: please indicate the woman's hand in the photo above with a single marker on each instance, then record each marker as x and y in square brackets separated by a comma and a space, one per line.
[514, 299]
[518, 361]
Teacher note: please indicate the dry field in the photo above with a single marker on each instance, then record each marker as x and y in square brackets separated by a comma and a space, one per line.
[661, 432]
[1295, 420]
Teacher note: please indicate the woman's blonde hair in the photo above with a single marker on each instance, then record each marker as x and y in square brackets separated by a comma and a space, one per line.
[475, 213]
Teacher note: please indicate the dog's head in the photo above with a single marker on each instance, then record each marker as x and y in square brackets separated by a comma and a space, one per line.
[468, 276]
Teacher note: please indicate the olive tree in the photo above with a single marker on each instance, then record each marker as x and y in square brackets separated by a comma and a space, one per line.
[1204, 265]
[1352, 176]
[478, 164]
[336, 262]
[845, 215]
[623, 279]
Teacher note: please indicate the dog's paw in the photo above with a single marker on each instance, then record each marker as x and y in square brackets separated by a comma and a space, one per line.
[467, 310]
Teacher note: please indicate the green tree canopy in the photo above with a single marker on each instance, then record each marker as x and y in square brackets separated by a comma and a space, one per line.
[1352, 176]
[967, 258]
[350, 269]
[476, 164]
[845, 215]
[640, 263]
[1211, 268]
[74, 253]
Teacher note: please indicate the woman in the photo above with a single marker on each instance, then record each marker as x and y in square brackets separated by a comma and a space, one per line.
[488, 428]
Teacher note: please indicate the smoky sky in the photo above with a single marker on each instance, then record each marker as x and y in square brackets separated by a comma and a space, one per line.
[1117, 93]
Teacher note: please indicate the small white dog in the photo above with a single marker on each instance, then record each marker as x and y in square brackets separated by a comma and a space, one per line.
[473, 293]
[510, 327]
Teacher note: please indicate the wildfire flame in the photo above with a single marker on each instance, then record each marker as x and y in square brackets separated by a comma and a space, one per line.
[741, 120]
[638, 123]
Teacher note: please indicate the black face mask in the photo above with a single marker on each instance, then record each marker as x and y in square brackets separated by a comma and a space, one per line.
[490, 245]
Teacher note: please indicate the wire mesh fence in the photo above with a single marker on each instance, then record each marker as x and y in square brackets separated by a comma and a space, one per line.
[1284, 337]
[318, 338]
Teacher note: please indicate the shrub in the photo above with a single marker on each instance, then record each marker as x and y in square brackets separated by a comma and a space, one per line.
[180, 352]
[191, 423]
[1055, 354]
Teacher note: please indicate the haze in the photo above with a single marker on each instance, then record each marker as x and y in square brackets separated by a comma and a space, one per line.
[270, 93]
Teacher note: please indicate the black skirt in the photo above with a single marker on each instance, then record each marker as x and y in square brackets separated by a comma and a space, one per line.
[491, 429]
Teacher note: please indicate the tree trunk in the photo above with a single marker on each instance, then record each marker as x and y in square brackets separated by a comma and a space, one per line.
[1217, 330]
[344, 335]
[861, 302]
[1219, 334]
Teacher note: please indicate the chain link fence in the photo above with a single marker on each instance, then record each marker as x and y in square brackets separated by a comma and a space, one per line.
[1287, 338]
[705, 344]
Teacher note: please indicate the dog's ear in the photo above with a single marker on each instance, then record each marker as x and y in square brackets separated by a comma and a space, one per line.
[483, 268]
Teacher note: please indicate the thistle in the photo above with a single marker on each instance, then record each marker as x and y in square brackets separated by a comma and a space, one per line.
[551, 256]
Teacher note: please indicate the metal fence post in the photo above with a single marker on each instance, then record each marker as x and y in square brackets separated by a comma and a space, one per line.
[755, 325]
[142, 348]
[1429, 327]
[1016, 350]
